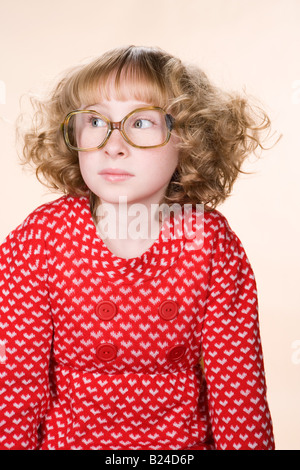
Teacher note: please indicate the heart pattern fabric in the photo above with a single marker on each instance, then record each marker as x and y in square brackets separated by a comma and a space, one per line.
[161, 351]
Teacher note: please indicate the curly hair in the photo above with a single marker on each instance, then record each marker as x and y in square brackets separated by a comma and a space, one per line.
[217, 129]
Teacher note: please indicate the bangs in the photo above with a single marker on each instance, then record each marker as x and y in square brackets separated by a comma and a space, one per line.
[132, 80]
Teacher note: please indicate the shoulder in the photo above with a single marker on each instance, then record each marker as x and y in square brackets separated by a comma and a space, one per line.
[217, 225]
[58, 208]
[228, 256]
[218, 232]
[47, 218]
[213, 232]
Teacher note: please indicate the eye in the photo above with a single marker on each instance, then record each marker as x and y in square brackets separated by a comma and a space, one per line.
[142, 124]
[96, 122]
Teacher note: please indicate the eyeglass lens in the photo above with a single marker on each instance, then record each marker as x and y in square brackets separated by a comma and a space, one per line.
[143, 128]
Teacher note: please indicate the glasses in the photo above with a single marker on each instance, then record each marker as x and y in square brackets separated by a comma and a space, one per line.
[87, 130]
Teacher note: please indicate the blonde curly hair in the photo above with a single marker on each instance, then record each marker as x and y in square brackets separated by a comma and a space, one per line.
[217, 129]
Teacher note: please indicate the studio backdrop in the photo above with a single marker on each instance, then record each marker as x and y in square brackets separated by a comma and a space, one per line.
[243, 45]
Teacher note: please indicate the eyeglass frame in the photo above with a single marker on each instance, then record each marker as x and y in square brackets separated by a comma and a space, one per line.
[170, 121]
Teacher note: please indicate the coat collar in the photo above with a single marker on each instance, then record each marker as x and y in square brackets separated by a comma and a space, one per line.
[163, 253]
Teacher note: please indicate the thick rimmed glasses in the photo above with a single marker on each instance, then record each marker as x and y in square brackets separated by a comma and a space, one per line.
[87, 130]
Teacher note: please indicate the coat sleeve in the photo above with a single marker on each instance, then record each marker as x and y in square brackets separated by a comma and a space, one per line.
[232, 352]
[25, 338]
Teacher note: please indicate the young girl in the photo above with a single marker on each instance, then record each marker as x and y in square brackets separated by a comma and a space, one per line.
[124, 341]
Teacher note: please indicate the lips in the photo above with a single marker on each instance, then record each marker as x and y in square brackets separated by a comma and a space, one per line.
[115, 171]
[115, 175]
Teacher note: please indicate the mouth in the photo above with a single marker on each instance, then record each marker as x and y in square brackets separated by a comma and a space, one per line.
[115, 174]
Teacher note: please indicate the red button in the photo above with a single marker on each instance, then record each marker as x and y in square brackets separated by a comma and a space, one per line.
[176, 353]
[168, 310]
[106, 352]
[106, 310]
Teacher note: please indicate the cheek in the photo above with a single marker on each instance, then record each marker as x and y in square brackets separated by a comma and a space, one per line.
[167, 162]
[86, 164]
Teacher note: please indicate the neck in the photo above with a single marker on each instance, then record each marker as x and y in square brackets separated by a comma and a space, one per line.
[129, 221]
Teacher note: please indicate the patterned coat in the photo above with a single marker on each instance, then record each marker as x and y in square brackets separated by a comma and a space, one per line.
[101, 352]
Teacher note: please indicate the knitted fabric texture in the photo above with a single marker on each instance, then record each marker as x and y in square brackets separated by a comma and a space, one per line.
[101, 352]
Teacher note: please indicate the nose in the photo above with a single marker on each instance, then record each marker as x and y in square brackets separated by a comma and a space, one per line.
[116, 146]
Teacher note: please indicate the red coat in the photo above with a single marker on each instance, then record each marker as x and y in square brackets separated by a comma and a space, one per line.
[122, 339]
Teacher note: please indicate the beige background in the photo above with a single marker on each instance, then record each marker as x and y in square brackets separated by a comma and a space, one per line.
[239, 43]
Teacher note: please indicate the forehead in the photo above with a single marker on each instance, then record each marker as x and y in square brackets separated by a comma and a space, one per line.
[126, 86]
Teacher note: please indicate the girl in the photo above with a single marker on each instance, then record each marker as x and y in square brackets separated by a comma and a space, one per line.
[124, 341]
